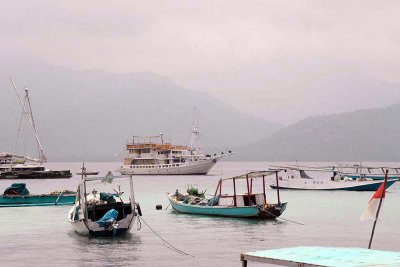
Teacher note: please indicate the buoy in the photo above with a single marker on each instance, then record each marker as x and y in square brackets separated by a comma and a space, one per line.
[159, 207]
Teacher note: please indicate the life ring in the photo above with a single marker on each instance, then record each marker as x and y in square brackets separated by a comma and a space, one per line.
[139, 210]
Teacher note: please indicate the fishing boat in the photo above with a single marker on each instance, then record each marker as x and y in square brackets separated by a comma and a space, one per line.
[355, 171]
[17, 195]
[244, 205]
[13, 166]
[150, 155]
[101, 214]
[88, 173]
[297, 179]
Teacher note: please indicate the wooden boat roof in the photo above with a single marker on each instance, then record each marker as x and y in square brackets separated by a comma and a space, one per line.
[253, 174]
[158, 146]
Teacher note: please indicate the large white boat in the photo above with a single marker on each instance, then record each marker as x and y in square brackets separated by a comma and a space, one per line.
[152, 156]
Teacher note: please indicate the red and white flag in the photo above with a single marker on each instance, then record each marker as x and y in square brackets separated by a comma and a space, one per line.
[373, 204]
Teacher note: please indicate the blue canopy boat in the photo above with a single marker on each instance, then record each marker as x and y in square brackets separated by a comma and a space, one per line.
[17, 195]
[247, 205]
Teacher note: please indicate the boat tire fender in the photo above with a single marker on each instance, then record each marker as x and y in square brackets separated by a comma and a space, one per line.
[139, 210]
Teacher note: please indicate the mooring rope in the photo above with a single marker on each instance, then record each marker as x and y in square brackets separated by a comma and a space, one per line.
[166, 243]
[276, 217]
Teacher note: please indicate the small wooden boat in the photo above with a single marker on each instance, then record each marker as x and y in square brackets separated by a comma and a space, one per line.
[18, 196]
[248, 205]
[102, 214]
[297, 179]
[88, 173]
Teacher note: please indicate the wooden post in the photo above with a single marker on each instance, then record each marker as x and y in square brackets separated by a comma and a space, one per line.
[265, 195]
[248, 188]
[220, 187]
[234, 193]
[379, 207]
[277, 187]
[251, 185]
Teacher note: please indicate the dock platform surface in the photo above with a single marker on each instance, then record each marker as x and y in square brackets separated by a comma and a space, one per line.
[323, 256]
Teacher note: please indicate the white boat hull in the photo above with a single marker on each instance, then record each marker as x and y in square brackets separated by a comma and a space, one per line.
[87, 227]
[189, 168]
[320, 184]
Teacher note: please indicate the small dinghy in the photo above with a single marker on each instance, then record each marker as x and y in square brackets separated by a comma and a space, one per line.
[17, 195]
[101, 214]
[83, 171]
[88, 173]
[245, 205]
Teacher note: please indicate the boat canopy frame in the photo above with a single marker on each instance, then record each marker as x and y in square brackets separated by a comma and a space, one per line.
[249, 184]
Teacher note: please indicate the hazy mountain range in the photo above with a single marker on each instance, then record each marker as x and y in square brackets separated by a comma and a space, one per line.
[89, 115]
[363, 135]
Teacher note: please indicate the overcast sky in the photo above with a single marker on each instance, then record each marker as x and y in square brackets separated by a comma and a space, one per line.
[259, 56]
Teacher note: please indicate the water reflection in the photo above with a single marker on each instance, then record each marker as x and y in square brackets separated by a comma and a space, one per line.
[118, 251]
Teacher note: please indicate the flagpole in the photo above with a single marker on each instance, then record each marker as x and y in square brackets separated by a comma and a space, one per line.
[379, 207]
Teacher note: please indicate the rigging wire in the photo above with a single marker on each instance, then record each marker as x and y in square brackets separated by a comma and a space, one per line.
[177, 122]
[166, 243]
[212, 128]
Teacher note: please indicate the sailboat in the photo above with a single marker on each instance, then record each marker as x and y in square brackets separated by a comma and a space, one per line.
[150, 155]
[13, 166]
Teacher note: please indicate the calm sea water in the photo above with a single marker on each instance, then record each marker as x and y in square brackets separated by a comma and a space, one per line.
[42, 236]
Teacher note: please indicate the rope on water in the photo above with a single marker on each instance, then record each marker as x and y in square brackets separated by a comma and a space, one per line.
[276, 217]
[166, 243]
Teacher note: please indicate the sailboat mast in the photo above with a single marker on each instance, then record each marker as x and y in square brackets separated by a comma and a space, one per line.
[28, 112]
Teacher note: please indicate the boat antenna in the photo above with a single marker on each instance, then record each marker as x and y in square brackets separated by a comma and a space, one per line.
[28, 112]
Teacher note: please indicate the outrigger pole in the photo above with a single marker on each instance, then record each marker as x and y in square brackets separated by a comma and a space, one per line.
[379, 207]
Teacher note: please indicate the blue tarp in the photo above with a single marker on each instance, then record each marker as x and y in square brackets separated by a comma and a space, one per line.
[107, 197]
[110, 216]
[17, 189]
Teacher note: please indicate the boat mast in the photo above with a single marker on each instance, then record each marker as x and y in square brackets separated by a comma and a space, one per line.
[27, 110]
[194, 142]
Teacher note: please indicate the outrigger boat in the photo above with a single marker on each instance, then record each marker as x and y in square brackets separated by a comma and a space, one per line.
[246, 205]
[17, 195]
[359, 171]
[297, 179]
[354, 171]
[103, 214]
